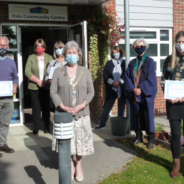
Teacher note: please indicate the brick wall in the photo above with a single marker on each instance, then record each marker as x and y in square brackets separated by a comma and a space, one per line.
[178, 16]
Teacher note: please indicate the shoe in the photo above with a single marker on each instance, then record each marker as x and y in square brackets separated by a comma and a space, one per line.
[99, 127]
[176, 168]
[150, 145]
[46, 131]
[1, 154]
[79, 179]
[6, 149]
[35, 131]
[137, 141]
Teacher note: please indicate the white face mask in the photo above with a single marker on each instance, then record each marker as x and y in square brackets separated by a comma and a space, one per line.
[180, 47]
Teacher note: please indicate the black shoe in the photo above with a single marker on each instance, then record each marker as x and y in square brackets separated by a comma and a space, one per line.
[137, 141]
[46, 131]
[1, 155]
[35, 131]
[99, 127]
[6, 149]
[150, 145]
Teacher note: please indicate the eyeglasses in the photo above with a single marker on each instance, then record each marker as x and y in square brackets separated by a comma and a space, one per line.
[140, 46]
[58, 48]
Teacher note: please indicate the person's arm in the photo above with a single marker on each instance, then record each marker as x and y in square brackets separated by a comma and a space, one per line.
[15, 78]
[149, 85]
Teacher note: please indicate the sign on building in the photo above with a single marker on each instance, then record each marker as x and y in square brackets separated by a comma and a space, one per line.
[37, 12]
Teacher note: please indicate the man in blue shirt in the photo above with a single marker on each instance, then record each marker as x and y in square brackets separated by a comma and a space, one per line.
[8, 72]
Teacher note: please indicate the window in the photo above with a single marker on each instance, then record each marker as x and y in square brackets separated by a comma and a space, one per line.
[160, 44]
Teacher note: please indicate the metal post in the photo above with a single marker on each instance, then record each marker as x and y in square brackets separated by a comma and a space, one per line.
[63, 132]
[127, 49]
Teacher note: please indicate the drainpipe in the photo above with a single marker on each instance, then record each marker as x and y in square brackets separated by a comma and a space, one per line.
[127, 49]
[63, 132]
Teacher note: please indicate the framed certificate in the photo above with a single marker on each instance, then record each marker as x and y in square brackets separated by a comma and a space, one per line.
[173, 89]
[52, 72]
[6, 88]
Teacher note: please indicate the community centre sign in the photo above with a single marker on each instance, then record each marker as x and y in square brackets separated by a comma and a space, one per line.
[37, 12]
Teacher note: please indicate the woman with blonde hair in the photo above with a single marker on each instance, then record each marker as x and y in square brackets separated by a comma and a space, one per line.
[174, 70]
[35, 71]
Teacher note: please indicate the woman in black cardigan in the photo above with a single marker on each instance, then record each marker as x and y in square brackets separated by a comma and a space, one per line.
[114, 85]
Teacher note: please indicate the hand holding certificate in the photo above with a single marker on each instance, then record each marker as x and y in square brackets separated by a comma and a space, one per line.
[6, 88]
[174, 89]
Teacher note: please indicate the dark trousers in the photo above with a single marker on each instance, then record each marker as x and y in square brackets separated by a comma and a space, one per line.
[109, 102]
[40, 102]
[142, 123]
[175, 139]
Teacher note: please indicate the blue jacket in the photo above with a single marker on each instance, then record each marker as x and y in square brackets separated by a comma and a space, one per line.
[148, 85]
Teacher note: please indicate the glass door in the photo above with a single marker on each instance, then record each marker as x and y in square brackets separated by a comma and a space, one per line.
[78, 32]
[12, 32]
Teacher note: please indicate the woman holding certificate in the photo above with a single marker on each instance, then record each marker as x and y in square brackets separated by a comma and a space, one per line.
[174, 70]
[141, 90]
[35, 71]
[71, 91]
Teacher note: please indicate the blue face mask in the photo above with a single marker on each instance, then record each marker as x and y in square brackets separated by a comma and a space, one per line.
[140, 50]
[116, 55]
[3, 51]
[72, 59]
[59, 51]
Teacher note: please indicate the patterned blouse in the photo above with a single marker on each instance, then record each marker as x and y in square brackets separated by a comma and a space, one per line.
[173, 74]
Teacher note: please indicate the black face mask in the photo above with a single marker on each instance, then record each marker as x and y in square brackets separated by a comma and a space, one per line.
[3, 51]
[140, 50]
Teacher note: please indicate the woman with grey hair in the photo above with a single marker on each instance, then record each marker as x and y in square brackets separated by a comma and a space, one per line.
[141, 90]
[71, 91]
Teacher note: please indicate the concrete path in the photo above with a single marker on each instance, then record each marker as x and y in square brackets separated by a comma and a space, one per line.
[34, 163]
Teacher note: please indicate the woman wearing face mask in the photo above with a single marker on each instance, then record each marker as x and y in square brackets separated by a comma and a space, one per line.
[113, 73]
[174, 70]
[35, 71]
[141, 90]
[71, 91]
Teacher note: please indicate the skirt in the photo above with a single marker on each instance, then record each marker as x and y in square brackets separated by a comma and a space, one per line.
[82, 141]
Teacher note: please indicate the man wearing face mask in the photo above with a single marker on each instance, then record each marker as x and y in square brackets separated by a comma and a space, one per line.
[113, 73]
[8, 72]
[141, 90]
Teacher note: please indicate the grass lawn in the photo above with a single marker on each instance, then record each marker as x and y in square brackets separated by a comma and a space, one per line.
[149, 167]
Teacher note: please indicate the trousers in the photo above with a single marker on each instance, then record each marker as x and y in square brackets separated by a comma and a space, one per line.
[6, 112]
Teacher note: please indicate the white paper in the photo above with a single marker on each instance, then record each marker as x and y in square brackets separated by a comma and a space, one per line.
[52, 72]
[6, 88]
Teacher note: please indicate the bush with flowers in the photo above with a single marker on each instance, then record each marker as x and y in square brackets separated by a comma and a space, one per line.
[105, 31]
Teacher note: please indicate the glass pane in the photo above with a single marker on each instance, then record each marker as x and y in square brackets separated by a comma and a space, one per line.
[152, 50]
[11, 33]
[155, 65]
[161, 64]
[164, 49]
[132, 52]
[16, 114]
[142, 34]
[164, 35]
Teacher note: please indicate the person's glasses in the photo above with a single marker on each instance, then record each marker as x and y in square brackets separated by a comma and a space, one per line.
[140, 46]
[58, 48]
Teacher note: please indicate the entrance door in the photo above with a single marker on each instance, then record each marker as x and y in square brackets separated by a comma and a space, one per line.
[78, 32]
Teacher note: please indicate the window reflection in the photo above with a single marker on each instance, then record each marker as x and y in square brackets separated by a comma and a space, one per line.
[11, 33]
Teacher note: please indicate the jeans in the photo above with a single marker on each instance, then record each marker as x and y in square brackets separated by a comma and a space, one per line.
[40, 101]
[6, 111]
[108, 106]
[175, 139]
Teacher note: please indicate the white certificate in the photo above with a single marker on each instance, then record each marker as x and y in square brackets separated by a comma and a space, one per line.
[6, 88]
[52, 72]
[173, 89]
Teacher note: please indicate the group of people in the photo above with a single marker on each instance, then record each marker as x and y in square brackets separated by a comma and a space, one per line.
[71, 90]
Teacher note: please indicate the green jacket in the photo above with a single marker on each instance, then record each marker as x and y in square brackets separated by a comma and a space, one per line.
[32, 69]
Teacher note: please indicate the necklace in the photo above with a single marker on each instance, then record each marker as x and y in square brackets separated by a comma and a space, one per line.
[74, 82]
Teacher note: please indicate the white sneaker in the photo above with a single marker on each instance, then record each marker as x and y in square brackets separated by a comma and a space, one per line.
[99, 128]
